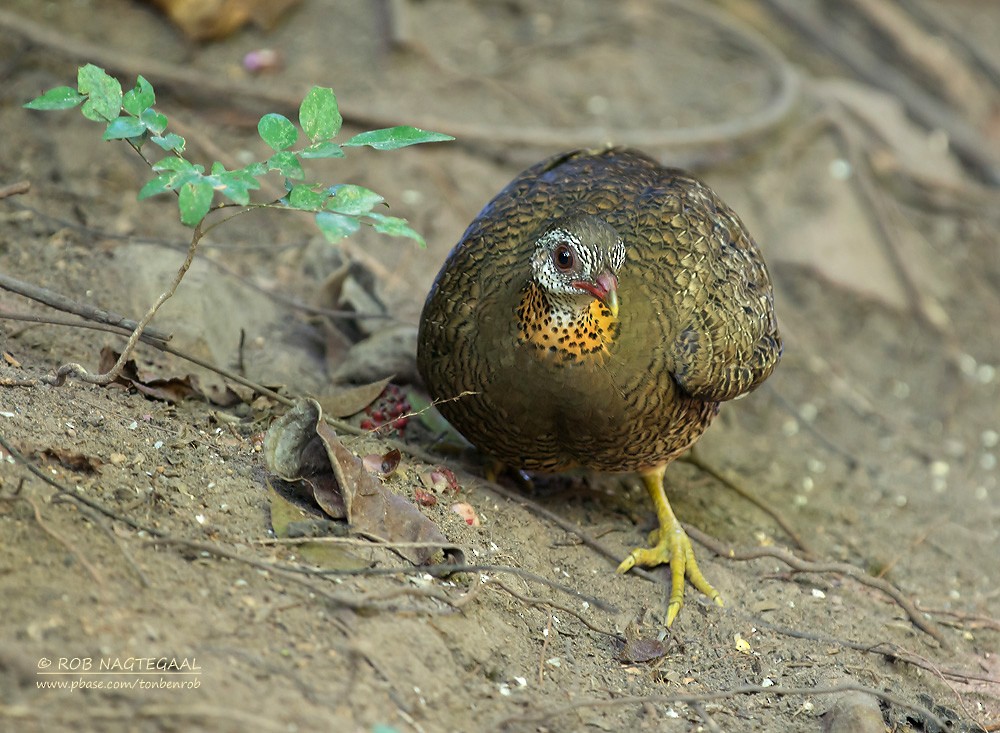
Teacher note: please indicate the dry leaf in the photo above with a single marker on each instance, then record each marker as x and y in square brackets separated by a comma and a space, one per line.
[347, 401]
[169, 389]
[300, 447]
[383, 465]
[641, 650]
[204, 20]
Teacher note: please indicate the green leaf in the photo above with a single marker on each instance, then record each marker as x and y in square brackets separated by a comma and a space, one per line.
[325, 149]
[172, 163]
[236, 186]
[336, 226]
[277, 131]
[287, 164]
[352, 200]
[155, 122]
[194, 200]
[395, 227]
[319, 115]
[158, 185]
[255, 169]
[104, 94]
[58, 98]
[170, 142]
[391, 138]
[124, 127]
[138, 100]
[304, 197]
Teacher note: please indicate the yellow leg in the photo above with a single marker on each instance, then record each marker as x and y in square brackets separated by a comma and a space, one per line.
[670, 544]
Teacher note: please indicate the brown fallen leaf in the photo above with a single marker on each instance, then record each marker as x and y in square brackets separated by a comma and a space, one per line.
[285, 517]
[383, 465]
[641, 650]
[295, 447]
[204, 20]
[168, 389]
[347, 401]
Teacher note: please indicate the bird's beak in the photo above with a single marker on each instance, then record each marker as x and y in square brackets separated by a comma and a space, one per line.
[604, 288]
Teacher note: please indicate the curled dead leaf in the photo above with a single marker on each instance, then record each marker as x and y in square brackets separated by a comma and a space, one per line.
[300, 447]
[383, 465]
[345, 401]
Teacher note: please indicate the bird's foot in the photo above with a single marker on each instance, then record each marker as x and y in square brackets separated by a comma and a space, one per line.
[670, 544]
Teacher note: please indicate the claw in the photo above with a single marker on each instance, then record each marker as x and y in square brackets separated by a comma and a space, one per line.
[670, 544]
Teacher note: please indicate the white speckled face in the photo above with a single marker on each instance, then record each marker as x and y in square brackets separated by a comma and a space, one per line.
[574, 251]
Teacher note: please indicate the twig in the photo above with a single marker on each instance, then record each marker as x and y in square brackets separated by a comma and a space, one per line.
[433, 570]
[79, 372]
[92, 514]
[84, 310]
[699, 709]
[969, 620]
[885, 649]
[13, 189]
[806, 566]
[533, 601]
[540, 714]
[536, 508]
[927, 53]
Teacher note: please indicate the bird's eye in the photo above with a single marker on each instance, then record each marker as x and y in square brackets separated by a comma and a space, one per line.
[564, 258]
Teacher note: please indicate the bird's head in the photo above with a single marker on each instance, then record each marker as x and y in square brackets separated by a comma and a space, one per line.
[577, 259]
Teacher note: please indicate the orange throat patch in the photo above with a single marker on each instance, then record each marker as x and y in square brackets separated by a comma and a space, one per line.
[565, 332]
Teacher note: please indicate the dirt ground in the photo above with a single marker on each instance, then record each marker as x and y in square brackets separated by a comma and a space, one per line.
[876, 440]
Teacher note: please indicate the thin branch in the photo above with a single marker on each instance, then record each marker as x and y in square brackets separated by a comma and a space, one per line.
[84, 310]
[14, 189]
[977, 152]
[79, 372]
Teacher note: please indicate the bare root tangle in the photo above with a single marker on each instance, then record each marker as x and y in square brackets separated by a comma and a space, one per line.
[805, 566]
[533, 601]
[796, 563]
[543, 714]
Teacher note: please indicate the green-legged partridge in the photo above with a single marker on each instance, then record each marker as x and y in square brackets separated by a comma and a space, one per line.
[594, 315]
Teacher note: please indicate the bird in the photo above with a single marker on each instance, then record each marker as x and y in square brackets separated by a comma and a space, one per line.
[594, 315]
